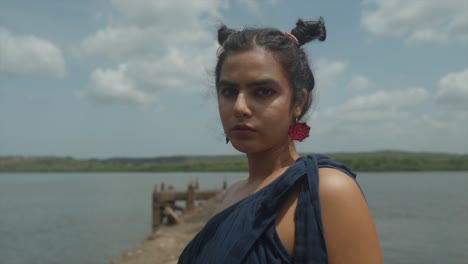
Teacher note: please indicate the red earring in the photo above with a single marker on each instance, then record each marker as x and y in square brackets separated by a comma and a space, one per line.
[299, 130]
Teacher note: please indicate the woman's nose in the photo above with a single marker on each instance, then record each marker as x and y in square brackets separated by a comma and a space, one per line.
[241, 106]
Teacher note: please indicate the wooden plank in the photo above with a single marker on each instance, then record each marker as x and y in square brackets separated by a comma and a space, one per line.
[182, 195]
[168, 211]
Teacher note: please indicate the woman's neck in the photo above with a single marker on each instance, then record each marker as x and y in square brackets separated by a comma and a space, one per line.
[270, 164]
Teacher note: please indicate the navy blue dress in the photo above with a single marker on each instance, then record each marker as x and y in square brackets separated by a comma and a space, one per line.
[246, 233]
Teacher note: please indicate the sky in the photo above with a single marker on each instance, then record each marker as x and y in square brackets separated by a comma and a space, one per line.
[134, 78]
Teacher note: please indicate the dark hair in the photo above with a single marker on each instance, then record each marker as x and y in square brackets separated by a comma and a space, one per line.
[287, 51]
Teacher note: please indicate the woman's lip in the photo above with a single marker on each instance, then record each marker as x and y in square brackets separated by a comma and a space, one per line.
[243, 128]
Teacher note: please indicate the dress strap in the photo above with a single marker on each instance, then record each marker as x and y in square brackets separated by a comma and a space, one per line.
[310, 240]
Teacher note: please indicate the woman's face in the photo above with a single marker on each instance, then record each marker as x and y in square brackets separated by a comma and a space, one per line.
[254, 100]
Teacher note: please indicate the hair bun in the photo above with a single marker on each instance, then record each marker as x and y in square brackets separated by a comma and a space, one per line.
[306, 31]
[223, 33]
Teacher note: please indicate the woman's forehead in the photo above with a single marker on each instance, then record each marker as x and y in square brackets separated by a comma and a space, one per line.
[251, 64]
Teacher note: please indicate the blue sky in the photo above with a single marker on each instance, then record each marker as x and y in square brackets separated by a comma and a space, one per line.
[133, 77]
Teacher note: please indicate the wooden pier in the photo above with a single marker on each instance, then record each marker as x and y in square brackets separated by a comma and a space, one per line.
[165, 209]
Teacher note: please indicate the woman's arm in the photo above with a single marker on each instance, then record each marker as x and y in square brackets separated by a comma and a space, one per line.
[350, 233]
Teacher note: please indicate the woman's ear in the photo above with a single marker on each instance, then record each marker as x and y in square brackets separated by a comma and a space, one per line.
[300, 103]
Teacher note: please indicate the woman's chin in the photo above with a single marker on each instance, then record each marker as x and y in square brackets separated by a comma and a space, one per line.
[243, 147]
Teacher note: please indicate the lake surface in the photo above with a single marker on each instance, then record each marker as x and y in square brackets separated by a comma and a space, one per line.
[80, 218]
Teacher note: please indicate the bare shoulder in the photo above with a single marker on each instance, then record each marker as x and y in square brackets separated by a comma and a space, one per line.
[350, 233]
[337, 184]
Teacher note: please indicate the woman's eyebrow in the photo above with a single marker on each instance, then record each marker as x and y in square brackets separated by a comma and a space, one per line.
[228, 83]
[263, 82]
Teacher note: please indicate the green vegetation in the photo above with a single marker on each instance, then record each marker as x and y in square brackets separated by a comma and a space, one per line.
[367, 161]
[403, 161]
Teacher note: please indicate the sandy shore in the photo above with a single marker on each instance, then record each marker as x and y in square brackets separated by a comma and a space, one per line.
[166, 244]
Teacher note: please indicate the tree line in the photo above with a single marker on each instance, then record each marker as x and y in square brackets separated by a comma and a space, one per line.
[361, 161]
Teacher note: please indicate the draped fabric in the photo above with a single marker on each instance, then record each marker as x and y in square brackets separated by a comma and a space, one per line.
[246, 233]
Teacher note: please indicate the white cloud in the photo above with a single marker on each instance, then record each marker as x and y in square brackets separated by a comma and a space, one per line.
[30, 54]
[178, 69]
[116, 43]
[453, 89]
[174, 14]
[378, 106]
[448, 120]
[163, 44]
[359, 83]
[254, 6]
[417, 20]
[435, 131]
[328, 72]
[388, 99]
[115, 85]
[404, 119]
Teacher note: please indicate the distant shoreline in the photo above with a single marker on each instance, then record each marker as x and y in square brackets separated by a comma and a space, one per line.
[381, 161]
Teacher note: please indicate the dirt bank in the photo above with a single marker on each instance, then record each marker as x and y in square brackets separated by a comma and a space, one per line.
[166, 244]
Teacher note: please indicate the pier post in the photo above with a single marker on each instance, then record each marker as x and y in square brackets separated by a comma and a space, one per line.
[156, 210]
[190, 198]
[224, 184]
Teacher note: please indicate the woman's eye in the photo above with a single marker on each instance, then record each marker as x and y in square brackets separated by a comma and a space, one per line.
[228, 91]
[265, 92]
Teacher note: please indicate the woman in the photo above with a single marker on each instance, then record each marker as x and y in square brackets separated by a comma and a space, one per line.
[290, 209]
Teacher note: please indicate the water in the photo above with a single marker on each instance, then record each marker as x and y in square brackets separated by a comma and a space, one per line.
[420, 217]
[81, 218]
